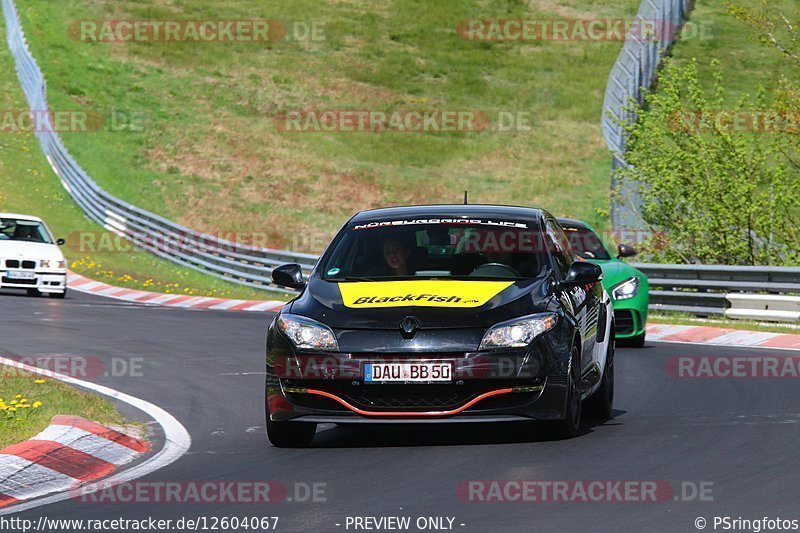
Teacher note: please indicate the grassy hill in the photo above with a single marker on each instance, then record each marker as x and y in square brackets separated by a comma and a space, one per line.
[210, 156]
[28, 185]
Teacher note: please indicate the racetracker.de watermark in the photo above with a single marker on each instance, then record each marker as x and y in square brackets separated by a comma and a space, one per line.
[398, 120]
[583, 491]
[70, 121]
[201, 492]
[77, 366]
[256, 31]
[736, 121]
[733, 367]
[137, 242]
[536, 30]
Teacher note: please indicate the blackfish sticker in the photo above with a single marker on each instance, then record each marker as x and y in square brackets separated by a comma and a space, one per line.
[423, 293]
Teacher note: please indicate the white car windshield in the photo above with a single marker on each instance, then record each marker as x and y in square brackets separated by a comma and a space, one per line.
[23, 230]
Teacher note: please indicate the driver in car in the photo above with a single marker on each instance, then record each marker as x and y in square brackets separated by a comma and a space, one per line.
[25, 233]
[395, 255]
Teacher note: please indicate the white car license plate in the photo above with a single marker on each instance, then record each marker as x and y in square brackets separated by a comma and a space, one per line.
[412, 371]
[20, 274]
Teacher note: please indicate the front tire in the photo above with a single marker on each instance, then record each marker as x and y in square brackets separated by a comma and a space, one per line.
[601, 403]
[288, 434]
[571, 424]
[633, 342]
[59, 295]
[34, 292]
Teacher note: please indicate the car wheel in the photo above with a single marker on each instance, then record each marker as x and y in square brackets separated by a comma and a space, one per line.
[571, 424]
[601, 403]
[289, 434]
[59, 295]
[34, 292]
[633, 342]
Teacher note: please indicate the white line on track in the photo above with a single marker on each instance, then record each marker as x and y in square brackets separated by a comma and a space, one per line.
[177, 439]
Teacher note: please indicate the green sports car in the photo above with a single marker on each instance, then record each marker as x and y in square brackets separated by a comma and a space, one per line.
[627, 286]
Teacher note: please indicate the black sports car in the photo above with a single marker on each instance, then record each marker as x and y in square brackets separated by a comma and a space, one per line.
[450, 313]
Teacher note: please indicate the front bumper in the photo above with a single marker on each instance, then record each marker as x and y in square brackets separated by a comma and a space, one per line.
[501, 386]
[630, 317]
[45, 281]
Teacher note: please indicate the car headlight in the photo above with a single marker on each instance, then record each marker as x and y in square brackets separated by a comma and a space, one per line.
[627, 289]
[307, 334]
[53, 263]
[519, 332]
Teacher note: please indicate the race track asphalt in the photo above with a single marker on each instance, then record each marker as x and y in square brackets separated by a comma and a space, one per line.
[737, 437]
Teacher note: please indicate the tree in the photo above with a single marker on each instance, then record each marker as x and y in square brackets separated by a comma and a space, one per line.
[714, 181]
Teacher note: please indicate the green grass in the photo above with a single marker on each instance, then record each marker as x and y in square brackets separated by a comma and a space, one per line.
[28, 185]
[210, 157]
[746, 64]
[56, 399]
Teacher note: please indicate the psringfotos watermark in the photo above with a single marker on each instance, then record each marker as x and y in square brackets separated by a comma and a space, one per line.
[754, 525]
[736, 121]
[256, 31]
[70, 120]
[733, 367]
[202, 492]
[537, 30]
[402, 121]
[584, 491]
[79, 366]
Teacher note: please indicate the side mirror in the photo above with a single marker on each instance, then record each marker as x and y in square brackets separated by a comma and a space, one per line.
[581, 273]
[61, 242]
[289, 275]
[626, 250]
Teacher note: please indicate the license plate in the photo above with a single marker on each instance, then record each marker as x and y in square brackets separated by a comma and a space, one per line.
[20, 274]
[408, 372]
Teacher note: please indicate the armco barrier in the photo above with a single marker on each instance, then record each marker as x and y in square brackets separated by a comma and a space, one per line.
[769, 294]
[634, 71]
[235, 262]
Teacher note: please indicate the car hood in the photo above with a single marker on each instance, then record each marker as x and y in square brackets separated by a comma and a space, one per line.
[29, 250]
[615, 272]
[433, 303]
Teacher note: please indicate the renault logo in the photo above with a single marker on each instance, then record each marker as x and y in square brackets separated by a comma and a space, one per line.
[409, 326]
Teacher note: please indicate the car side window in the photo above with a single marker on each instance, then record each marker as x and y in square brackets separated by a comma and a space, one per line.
[559, 247]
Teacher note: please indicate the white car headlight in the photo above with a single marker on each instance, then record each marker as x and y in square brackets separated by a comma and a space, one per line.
[519, 332]
[307, 334]
[627, 289]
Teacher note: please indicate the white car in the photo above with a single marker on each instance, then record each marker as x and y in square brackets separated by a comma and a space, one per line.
[30, 258]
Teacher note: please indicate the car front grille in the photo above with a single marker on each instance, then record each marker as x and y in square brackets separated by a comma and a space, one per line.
[18, 281]
[410, 397]
[624, 322]
[15, 263]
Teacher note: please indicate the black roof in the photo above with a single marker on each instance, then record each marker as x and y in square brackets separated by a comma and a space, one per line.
[572, 223]
[448, 211]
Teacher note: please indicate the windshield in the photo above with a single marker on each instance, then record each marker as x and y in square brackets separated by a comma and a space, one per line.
[453, 249]
[586, 243]
[23, 230]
